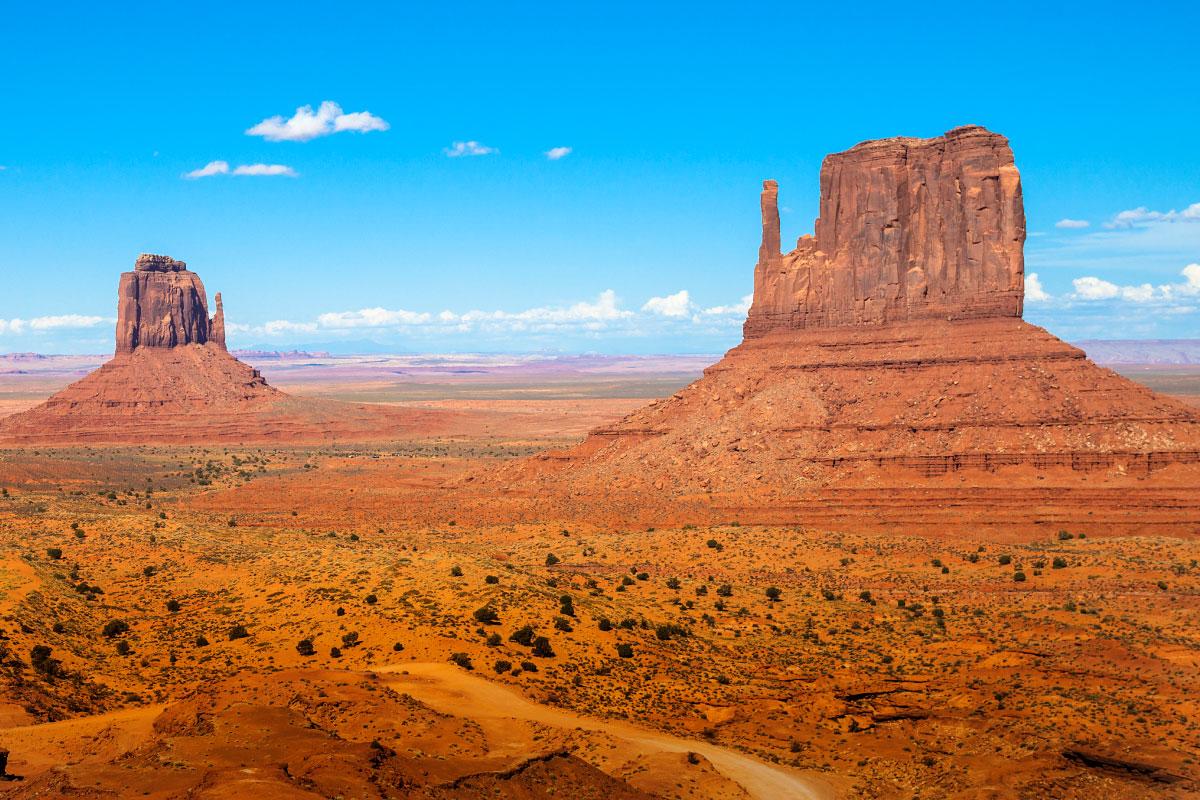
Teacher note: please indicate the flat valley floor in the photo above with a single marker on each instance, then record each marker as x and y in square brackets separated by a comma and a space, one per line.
[357, 621]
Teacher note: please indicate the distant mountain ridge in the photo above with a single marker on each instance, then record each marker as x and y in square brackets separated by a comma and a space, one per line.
[1142, 351]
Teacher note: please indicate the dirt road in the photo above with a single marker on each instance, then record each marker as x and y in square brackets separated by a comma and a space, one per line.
[449, 689]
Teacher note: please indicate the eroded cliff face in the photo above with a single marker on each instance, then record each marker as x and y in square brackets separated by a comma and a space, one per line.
[163, 304]
[909, 229]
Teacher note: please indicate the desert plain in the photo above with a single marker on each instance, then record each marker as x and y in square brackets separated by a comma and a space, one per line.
[331, 620]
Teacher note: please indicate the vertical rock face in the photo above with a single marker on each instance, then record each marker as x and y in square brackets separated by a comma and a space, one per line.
[162, 304]
[909, 229]
[216, 326]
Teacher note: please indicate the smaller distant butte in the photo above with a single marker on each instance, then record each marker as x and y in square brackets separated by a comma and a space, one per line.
[172, 380]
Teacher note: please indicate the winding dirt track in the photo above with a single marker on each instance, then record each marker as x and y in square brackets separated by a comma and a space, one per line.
[451, 690]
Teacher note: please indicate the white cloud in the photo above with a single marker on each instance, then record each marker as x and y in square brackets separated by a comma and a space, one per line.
[65, 321]
[60, 322]
[1034, 292]
[371, 318]
[741, 308]
[265, 169]
[1093, 288]
[1142, 216]
[472, 148]
[1072, 223]
[555, 153]
[673, 305]
[307, 124]
[222, 168]
[211, 168]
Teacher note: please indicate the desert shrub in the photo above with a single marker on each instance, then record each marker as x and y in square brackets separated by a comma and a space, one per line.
[462, 659]
[232, 522]
[305, 647]
[115, 627]
[201, 641]
[335, 652]
[1019, 576]
[552, 559]
[566, 605]
[173, 606]
[725, 590]
[123, 647]
[371, 599]
[493, 640]
[701, 590]
[1162, 585]
[673, 583]
[626, 580]
[1005, 560]
[605, 624]
[773, 593]
[491, 579]
[667, 631]
[398, 647]
[625, 650]
[149, 570]
[501, 666]
[542, 648]
[643, 576]
[487, 615]
[936, 562]
[529, 666]
[1058, 563]
[562, 624]
[456, 571]
[40, 660]
[350, 639]
[522, 635]
[54, 553]
[828, 594]
[865, 596]
[341, 612]
[238, 632]
[1064, 536]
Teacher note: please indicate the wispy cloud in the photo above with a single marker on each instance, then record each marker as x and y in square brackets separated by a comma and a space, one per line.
[211, 168]
[307, 124]
[1142, 215]
[555, 153]
[265, 169]
[602, 316]
[739, 309]
[19, 326]
[1072, 224]
[471, 148]
[222, 168]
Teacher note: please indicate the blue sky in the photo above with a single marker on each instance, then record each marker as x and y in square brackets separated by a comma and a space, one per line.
[453, 229]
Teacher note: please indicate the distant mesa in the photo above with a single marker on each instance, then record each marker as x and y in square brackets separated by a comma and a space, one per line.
[172, 380]
[886, 349]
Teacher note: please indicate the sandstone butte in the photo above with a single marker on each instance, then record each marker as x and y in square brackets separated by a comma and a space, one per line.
[889, 349]
[172, 380]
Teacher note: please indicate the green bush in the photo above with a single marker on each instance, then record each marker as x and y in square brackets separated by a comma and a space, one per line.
[625, 650]
[305, 647]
